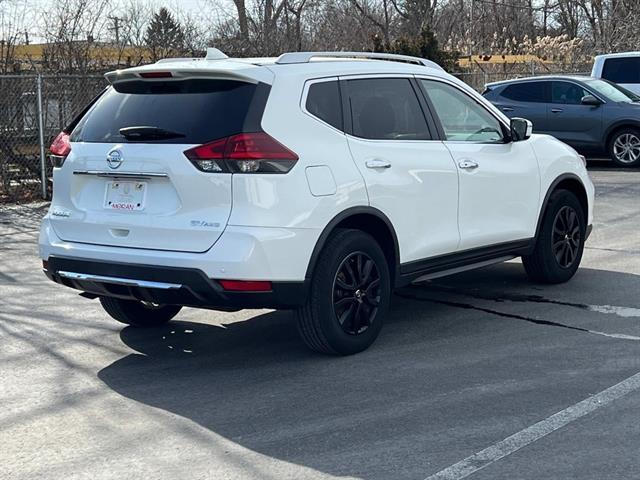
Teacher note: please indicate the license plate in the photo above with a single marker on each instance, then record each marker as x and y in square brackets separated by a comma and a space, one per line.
[126, 196]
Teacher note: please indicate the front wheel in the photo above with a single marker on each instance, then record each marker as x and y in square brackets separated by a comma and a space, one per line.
[560, 243]
[624, 148]
[349, 295]
[138, 314]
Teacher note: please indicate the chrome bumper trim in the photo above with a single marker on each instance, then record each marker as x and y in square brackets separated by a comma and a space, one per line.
[130, 282]
[100, 173]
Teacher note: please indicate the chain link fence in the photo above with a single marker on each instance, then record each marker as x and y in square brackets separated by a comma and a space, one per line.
[33, 110]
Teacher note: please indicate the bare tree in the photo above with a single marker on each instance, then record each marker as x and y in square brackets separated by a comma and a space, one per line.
[127, 29]
[72, 30]
[13, 25]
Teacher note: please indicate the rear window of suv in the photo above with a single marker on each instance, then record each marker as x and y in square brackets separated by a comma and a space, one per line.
[200, 110]
[622, 70]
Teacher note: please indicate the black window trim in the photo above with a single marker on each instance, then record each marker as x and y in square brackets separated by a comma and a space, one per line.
[567, 80]
[305, 94]
[346, 110]
[506, 129]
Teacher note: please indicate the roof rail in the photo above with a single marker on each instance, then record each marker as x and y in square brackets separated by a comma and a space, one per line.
[305, 57]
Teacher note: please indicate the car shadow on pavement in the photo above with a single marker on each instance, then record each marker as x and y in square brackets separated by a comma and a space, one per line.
[439, 379]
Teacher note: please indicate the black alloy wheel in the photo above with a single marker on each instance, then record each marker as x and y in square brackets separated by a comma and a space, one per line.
[566, 236]
[356, 293]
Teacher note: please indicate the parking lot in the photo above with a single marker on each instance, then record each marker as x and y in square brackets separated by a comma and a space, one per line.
[466, 378]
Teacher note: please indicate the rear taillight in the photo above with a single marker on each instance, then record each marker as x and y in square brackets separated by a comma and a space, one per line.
[59, 149]
[243, 153]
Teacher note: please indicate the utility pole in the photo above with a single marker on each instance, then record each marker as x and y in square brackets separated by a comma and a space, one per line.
[471, 12]
[116, 28]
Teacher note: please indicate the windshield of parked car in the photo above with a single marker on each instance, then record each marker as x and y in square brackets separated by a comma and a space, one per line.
[613, 92]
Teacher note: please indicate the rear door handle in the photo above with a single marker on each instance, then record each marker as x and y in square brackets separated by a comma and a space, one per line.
[377, 163]
[556, 110]
[467, 164]
[507, 109]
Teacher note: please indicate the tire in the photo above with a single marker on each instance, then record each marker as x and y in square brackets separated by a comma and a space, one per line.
[349, 295]
[138, 314]
[560, 244]
[624, 148]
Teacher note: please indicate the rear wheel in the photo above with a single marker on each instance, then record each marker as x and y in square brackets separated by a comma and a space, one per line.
[139, 314]
[624, 148]
[560, 243]
[349, 296]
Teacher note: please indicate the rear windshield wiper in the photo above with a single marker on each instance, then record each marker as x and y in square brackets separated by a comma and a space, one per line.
[148, 133]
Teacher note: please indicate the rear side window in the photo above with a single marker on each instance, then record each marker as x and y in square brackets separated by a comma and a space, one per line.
[526, 92]
[622, 70]
[386, 109]
[323, 101]
[199, 110]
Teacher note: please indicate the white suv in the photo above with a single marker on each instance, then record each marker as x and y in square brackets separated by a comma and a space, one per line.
[621, 68]
[318, 182]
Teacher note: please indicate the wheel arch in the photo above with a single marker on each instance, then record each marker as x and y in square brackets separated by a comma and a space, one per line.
[369, 220]
[572, 183]
[616, 127]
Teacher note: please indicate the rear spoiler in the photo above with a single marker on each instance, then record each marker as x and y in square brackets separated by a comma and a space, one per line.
[182, 68]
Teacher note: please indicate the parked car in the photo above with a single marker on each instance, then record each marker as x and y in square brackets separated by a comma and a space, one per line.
[319, 186]
[621, 68]
[594, 116]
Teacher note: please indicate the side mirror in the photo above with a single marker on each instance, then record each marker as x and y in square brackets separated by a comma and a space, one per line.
[590, 100]
[521, 129]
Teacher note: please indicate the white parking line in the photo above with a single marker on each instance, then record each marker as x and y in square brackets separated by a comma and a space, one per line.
[625, 312]
[515, 442]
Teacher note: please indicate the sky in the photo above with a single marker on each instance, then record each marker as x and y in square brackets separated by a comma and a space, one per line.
[39, 7]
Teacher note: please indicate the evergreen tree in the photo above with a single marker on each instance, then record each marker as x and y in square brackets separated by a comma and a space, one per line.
[424, 45]
[164, 36]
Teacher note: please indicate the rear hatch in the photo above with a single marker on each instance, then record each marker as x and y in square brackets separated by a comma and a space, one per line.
[127, 182]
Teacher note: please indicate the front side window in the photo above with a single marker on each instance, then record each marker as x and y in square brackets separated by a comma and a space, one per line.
[462, 118]
[526, 92]
[323, 101]
[386, 109]
[613, 92]
[622, 70]
[567, 93]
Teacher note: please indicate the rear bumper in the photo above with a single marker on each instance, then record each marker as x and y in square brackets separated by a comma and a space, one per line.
[166, 285]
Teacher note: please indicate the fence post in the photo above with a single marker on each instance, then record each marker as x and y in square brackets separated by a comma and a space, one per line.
[43, 160]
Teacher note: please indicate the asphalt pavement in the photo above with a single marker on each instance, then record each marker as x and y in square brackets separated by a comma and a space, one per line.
[481, 375]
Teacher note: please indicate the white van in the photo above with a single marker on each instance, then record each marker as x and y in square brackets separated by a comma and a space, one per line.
[621, 68]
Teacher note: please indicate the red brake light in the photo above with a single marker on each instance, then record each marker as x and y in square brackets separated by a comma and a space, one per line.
[255, 152]
[246, 285]
[61, 146]
[156, 75]
[257, 146]
[209, 151]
